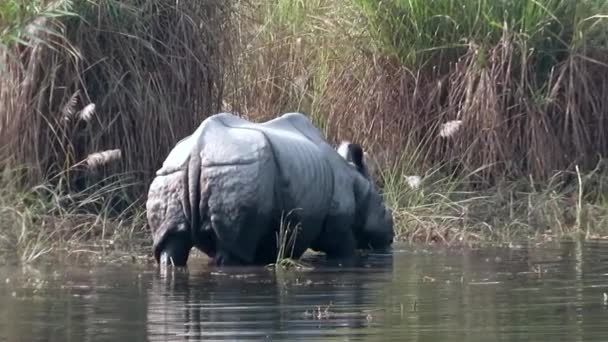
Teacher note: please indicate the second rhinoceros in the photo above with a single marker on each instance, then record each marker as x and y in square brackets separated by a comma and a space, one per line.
[228, 188]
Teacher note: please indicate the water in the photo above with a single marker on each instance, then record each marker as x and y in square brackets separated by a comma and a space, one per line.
[550, 293]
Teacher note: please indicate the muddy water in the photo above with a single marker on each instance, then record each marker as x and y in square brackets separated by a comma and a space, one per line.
[550, 293]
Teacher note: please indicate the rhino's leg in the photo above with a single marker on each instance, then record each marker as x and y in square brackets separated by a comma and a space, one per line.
[238, 210]
[257, 246]
[336, 240]
[207, 242]
[266, 251]
[342, 247]
[225, 258]
[255, 224]
[168, 225]
[175, 250]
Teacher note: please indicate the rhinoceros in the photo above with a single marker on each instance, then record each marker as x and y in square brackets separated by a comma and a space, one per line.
[231, 186]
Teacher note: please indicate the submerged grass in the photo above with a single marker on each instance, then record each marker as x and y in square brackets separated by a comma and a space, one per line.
[286, 241]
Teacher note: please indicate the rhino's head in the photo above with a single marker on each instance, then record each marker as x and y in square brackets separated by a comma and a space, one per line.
[167, 221]
[376, 229]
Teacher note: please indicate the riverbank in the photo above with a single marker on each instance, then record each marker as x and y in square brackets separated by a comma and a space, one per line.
[480, 129]
[435, 211]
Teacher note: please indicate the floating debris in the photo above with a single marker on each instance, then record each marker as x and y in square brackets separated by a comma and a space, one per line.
[605, 298]
[243, 276]
[484, 283]
[289, 263]
[308, 282]
[318, 313]
[428, 279]
[323, 314]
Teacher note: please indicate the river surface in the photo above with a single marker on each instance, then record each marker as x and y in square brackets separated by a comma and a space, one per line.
[549, 293]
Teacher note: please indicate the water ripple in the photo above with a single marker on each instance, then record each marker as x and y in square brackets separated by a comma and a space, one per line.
[540, 294]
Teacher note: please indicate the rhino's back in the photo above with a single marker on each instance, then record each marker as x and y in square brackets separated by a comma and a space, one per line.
[179, 154]
[221, 144]
[304, 173]
[298, 150]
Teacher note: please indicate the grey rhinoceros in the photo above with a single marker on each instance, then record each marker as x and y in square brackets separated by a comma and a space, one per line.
[227, 188]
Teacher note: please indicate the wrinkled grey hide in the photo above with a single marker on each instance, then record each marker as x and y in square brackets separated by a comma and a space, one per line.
[224, 189]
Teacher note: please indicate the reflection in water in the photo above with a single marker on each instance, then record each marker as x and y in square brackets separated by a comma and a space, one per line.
[536, 294]
[254, 303]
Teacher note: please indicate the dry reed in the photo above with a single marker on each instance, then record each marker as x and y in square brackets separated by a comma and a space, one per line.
[517, 111]
[506, 128]
[129, 75]
[130, 78]
[95, 160]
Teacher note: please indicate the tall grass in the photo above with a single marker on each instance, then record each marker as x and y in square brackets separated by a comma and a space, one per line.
[19, 20]
[44, 220]
[134, 76]
[287, 51]
[524, 79]
[435, 33]
[93, 95]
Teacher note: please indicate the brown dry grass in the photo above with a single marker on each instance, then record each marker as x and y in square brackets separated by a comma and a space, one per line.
[529, 117]
[516, 122]
[90, 106]
[508, 129]
[101, 107]
[134, 76]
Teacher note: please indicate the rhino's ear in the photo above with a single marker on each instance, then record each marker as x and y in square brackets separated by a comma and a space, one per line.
[343, 149]
[353, 153]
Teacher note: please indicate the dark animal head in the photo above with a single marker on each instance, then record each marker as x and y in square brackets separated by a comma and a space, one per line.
[167, 221]
[377, 227]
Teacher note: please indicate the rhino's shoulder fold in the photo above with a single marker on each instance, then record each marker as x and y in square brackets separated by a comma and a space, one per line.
[178, 156]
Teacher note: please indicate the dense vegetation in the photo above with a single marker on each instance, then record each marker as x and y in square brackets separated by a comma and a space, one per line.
[499, 107]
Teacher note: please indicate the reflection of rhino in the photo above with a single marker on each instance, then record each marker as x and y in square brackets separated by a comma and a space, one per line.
[247, 304]
[225, 189]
